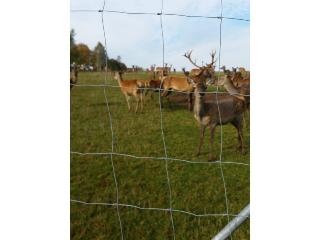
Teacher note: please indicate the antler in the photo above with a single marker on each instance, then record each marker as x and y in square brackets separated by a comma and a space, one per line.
[212, 54]
[188, 56]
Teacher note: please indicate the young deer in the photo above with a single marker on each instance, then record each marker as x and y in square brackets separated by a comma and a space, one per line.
[150, 84]
[224, 110]
[130, 88]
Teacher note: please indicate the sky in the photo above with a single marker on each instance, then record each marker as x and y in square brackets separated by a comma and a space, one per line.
[137, 38]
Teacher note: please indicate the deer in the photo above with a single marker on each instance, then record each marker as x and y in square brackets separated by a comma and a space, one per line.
[225, 70]
[73, 76]
[161, 71]
[240, 79]
[154, 85]
[150, 84]
[130, 88]
[226, 109]
[180, 84]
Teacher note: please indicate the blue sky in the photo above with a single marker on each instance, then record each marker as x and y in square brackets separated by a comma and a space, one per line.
[137, 38]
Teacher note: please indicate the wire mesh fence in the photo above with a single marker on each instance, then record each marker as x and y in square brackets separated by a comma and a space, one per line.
[165, 158]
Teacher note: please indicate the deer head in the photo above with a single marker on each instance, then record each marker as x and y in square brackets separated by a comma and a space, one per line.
[234, 70]
[205, 73]
[186, 73]
[200, 81]
[118, 75]
[223, 68]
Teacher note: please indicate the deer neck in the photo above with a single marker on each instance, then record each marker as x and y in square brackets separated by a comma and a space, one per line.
[228, 85]
[119, 79]
[198, 108]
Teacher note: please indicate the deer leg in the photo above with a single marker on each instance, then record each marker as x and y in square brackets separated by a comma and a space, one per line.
[212, 129]
[202, 129]
[244, 119]
[190, 101]
[145, 93]
[127, 99]
[239, 127]
[168, 99]
[240, 137]
[137, 105]
[164, 93]
[141, 102]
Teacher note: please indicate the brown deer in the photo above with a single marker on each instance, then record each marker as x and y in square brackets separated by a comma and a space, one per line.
[180, 84]
[73, 76]
[150, 84]
[130, 88]
[162, 71]
[223, 110]
[240, 79]
[154, 85]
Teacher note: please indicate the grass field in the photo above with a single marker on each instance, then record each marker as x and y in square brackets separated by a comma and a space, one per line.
[197, 188]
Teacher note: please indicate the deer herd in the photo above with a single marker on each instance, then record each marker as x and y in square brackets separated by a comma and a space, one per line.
[210, 110]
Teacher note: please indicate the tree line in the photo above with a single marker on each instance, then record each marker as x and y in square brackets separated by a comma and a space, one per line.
[81, 54]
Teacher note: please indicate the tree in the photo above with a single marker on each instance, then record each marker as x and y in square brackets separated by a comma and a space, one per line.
[84, 53]
[74, 54]
[99, 56]
[114, 65]
[72, 41]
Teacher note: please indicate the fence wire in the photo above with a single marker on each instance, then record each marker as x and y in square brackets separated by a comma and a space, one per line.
[164, 158]
[158, 13]
[110, 120]
[155, 89]
[221, 131]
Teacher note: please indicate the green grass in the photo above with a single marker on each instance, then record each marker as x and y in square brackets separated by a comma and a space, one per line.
[196, 188]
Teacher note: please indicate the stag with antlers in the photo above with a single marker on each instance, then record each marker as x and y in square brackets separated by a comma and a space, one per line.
[197, 70]
[225, 109]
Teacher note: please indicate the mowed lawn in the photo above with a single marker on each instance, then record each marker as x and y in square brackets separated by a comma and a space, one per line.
[197, 188]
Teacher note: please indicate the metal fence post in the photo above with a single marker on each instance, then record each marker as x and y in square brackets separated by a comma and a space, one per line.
[234, 224]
